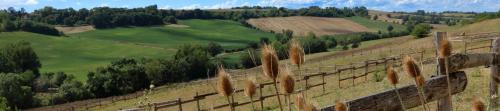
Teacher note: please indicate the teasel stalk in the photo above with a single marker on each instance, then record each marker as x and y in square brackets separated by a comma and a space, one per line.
[413, 71]
[224, 86]
[296, 54]
[250, 89]
[270, 67]
[287, 84]
[444, 53]
[393, 78]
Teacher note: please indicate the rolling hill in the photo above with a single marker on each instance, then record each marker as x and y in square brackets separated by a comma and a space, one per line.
[85, 51]
[492, 25]
[302, 25]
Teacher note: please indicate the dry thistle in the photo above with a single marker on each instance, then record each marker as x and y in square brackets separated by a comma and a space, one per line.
[270, 67]
[270, 61]
[392, 76]
[296, 53]
[300, 102]
[411, 67]
[224, 86]
[287, 83]
[340, 106]
[250, 88]
[477, 105]
[445, 48]
[310, 107]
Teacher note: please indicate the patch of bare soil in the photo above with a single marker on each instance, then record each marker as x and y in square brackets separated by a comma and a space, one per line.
[77, 29]
[302, 25]
[177, 26]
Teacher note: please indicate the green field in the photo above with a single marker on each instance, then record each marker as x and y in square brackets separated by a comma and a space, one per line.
[83, 52]
[77, 56]
[229, 34]
[376, 25]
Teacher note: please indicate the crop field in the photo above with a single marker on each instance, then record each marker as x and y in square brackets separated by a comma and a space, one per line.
[83, 52]
[229, 34]
[303, 25]
[320, 25]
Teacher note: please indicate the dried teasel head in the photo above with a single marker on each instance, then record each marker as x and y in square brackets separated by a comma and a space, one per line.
[296, 53]
[392, 76]
[224, 86]
[420, 81]
[250, 88]
[477, 105]
[411, 67]
[300, 102]
[340, 106]
[269, 61]
[287, 83]
[445, 48]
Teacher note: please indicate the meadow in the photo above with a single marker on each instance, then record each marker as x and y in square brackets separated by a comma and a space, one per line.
[79, 53]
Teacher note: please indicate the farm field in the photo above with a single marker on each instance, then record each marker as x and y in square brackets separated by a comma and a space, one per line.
[302, 25]
[77, 56]
[228, 33]
[83, 52]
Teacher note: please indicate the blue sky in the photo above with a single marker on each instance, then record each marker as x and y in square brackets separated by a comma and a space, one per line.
[386, 5]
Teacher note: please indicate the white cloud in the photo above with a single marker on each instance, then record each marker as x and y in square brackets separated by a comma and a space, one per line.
[16, 3]
[31, 2]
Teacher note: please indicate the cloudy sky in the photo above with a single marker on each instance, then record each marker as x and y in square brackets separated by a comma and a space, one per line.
[386, 5]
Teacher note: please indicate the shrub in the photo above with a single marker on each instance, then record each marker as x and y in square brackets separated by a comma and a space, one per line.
[170, 20]
[312, 44]
[421, 30]
[281, 50]
[247, 61]
[18, 57]
[214, 48]
[72, 90]
[35, 27]
[378, 76]
[17, 95]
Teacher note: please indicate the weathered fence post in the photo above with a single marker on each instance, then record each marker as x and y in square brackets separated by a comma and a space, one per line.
[444, 104]
[366, 70]
[464, 38]
[179, 102]
[197, 102]
[324, 83]
[261, 98]
[494, 76]
[353, 75]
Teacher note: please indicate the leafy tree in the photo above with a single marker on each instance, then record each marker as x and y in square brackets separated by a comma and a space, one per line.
[17, 95]
[264, 40]
[170, 20]
[121, 77]
[19, 57]
[214, 48]
[166, 71]
[355, 44]
[375, 17]
[390, 28]
[4, 104]
[72, 90]
[197, 58]
[421, 30]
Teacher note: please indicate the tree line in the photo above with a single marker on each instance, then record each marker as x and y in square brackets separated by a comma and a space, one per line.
[106, 17]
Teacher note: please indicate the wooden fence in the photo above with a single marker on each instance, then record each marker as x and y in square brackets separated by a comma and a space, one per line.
[368, 67]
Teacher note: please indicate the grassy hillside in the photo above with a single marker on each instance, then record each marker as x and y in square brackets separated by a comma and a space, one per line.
[229, 34]
[83, 52]
[77, 56]
[492, 25]
[376, 25]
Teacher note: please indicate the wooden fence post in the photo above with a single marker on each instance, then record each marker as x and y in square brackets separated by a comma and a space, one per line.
[366, 71]
[261, 98]
[179, 102]
[338, 73]
[494, 76]
[353, 75]
[465, 43]
[197, 102]
[444, 104]
[324, 83]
